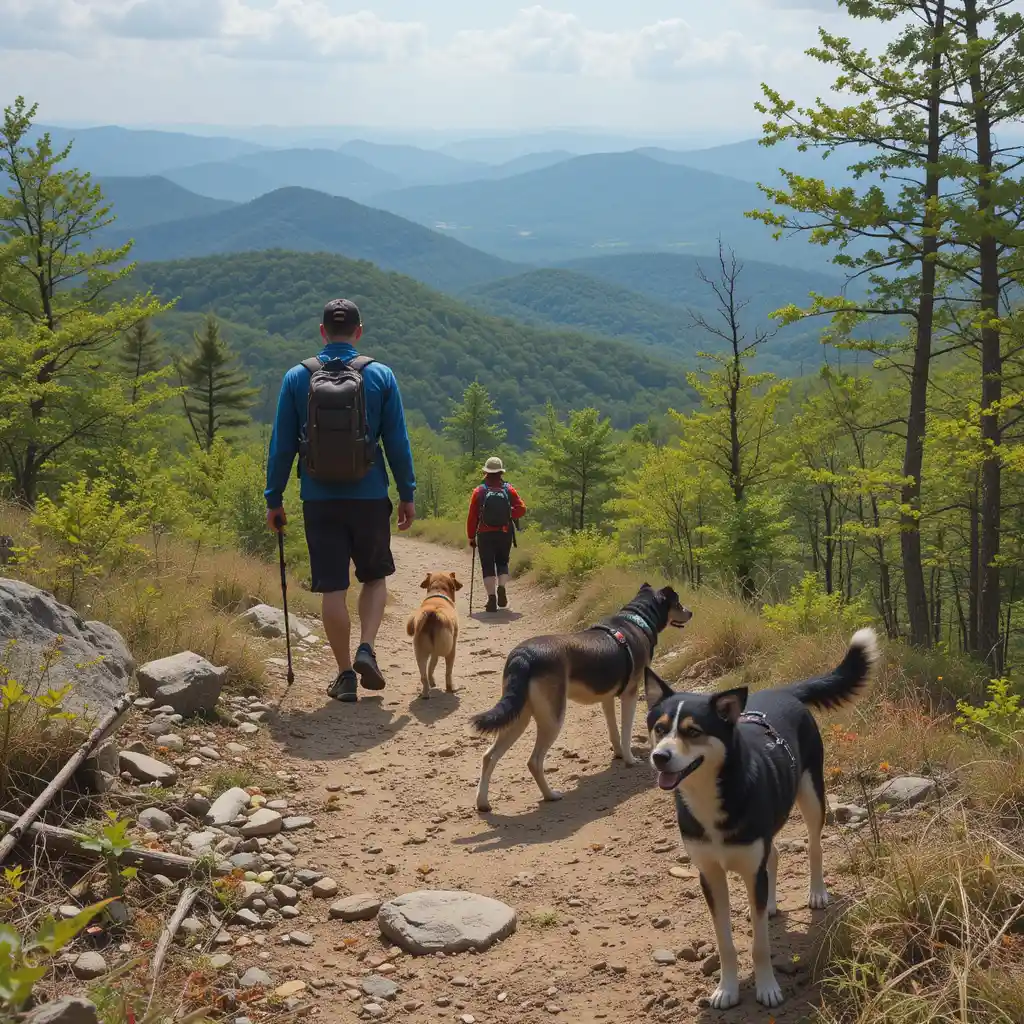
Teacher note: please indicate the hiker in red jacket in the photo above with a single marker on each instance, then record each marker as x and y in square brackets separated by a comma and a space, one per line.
[494, 509]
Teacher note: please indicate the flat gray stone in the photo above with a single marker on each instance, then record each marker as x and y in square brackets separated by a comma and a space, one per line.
[88, 966]
[254, 978]
[228, 806]
[144, 768]
[268, 621]
[908, 791]
[263, 823]
[220, 960]
[377, 987]
[285, 895]
[363, 907]
[325, 888]
[69, 1010]
[200, 842]
[156, 820]
[185, 682]
[441, 921]
[302, 938]
[294, 823]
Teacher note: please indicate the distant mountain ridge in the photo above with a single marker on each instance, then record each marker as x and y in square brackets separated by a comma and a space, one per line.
[301, 220]
[144, 201]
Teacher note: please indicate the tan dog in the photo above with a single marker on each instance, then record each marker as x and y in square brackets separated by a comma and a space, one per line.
[435, 629]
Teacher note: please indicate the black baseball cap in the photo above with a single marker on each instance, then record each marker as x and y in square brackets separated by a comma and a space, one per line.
[341, 314]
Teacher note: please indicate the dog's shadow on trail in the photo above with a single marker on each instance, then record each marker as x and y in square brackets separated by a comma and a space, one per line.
[440, 706]
[336, 731]
[594, 796]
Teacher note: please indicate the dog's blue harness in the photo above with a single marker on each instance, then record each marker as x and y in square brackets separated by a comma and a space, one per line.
[774, 739]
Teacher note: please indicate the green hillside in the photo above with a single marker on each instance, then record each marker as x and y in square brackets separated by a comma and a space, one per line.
[301, 220]
[436, 345]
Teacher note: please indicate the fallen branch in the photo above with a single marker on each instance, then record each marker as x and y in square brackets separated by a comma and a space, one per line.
[45, 798]
[181, 911]
[63, 840]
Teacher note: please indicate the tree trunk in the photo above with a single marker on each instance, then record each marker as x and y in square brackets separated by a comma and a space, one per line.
[913, 461]
[990, 595]
[974, 583]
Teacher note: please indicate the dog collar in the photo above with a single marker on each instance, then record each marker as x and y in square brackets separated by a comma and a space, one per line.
[644, 625]
[444, 597]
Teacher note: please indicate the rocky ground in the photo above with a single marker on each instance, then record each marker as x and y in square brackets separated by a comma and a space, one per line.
[327, 811]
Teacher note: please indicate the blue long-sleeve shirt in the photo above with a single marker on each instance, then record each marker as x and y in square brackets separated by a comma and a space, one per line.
[386, 420]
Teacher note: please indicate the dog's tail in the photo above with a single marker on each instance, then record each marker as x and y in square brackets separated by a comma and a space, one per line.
[410, 626]
[845, 683]
[514, 694]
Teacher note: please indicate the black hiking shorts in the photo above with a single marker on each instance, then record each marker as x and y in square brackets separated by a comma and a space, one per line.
[348, 530]
[494, 549]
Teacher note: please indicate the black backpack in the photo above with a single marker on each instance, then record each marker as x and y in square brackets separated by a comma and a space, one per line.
[337, 447]
[496, 507]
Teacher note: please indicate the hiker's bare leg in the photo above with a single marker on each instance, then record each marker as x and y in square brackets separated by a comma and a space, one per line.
[372, 599]
[338, 627]
[491, 585]
[503, 580]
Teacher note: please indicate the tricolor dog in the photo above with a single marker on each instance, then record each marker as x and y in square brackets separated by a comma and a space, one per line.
[736, 765]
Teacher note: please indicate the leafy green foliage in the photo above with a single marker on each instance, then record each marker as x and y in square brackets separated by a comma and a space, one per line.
[474, 426]
[812, 610]
[1000, 718]
[435, 345]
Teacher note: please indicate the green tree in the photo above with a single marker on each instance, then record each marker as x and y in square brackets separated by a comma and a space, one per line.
[217, 393]
[142, 359]
[734, 436]
[474, 424]
[60, 397]
[437, 481]
[577, 458]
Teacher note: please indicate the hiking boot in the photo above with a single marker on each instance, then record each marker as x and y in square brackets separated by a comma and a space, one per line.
[344, 688]
[492, 604]
[365, 664]
[502, 598]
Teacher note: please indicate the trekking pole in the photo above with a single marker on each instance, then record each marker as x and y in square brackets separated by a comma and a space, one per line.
[472, 578]
[284, 601]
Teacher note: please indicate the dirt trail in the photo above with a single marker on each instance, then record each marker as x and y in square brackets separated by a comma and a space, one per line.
[590, 876]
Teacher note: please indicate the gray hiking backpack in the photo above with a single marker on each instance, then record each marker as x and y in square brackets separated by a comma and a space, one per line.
[336, 447]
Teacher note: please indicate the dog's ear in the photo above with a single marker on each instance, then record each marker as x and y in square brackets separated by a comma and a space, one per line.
[656, 688]
[458, 585]
[425, 585]
[729, 704]
[670, 595]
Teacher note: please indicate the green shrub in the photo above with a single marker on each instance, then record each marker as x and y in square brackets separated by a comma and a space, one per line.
[811, 610]
[574, 559]
[1000, 718]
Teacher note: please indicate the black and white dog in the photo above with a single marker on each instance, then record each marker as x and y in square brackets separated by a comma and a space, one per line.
[737, 765]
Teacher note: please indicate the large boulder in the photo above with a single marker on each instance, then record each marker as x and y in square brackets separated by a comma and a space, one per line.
[93, 657]
[440, 921]
[268, 621]
[69, 1010]
[186, 682]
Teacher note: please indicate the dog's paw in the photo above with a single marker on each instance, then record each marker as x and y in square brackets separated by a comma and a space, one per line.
[425, 694]
[554, 796]
[769, 994]
[818, 899]
[449, 688]
[773, 910]
[483, 806]
[725, 997]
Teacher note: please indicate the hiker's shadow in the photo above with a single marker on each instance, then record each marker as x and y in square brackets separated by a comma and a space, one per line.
[440, 706]
[594, 796]
[336, 731]
[499, 618]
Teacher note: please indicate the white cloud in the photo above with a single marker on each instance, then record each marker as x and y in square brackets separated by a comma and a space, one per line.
[274, 30]
[538, 39]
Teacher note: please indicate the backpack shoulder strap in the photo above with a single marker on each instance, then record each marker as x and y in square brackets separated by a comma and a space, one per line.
[360, 363]
[313, 364]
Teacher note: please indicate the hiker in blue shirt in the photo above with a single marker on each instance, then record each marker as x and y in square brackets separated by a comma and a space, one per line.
[357, 410]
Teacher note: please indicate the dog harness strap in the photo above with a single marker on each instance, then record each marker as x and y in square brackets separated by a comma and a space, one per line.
[444, 597]
[774, 739]
[623, 641]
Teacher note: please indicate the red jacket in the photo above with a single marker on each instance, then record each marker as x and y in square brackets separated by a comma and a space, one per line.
[473, 524]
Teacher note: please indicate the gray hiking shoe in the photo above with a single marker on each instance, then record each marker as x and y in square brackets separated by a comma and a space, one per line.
[344, 688]
[502, 598]
[365, 664]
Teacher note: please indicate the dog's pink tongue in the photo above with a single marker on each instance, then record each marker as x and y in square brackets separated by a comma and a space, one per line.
[669, 780]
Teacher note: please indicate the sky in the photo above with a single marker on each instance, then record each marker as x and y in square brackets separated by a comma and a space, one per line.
[665, 67]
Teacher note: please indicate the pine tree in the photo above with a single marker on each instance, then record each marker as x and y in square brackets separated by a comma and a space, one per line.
[217, 395]
[141, 357]
[474, 424]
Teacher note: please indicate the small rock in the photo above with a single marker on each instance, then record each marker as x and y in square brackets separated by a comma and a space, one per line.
[144, 768]
[247, 862]
[907, 791]
[664, 957]
[325, 888]
[198, 806]
[191, 926]
[290, 913]
[171, 742]
[285, 895]
[200, 842]
[432, 921]
[711, 965]
[379, 988]
[373, 1010]
[262, 823]
[227, 807]
[293, 824]
[254, 978]
[688, 954]
[220, 960]
[88, 966]
[307, 876]
[268, 622]
[185, 682]
[248, 729]
[661, 923]
[289, 988]
[363, 907]
[155, 820]
[302, 938]
[210, 753]
[237, 748]
[69, 1010]
[246, 917]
